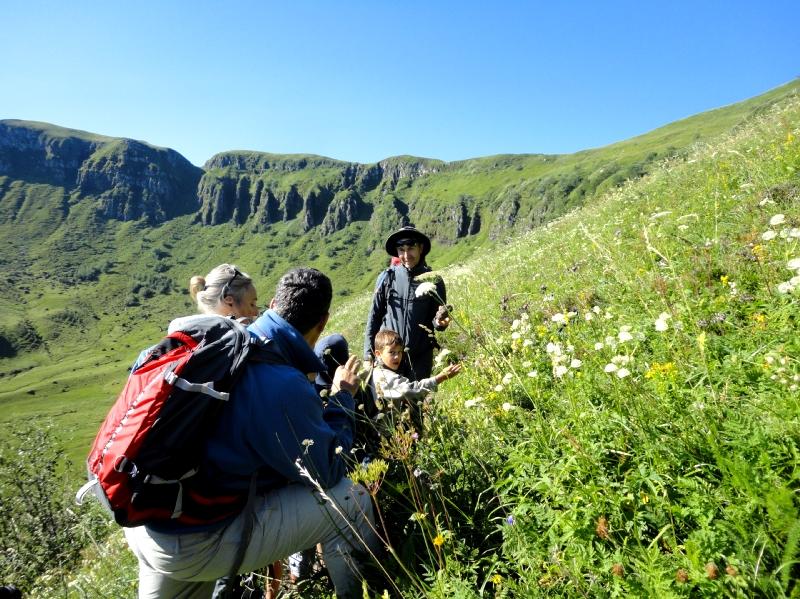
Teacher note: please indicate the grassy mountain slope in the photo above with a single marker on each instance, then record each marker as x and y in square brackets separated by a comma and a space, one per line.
[628, 422]
[85, 294]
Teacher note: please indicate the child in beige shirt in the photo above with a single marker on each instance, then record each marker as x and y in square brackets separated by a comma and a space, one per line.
[395, 394]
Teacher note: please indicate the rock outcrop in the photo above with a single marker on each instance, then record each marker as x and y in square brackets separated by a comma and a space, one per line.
[240, 186]
[127, 179]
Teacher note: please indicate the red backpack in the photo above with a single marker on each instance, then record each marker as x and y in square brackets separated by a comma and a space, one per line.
[145, 463]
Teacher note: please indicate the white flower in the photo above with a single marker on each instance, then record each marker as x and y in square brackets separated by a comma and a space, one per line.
[794, 232]
[443, 353]
[515, 325]
[308, 442]
[498, 388]
[588, 316]
[793, 264]
[620, 359]
[527, 343]
[527, 364]
[623, 372]
[560, 370]
[596, 309]
[611, 367]
[533, 374]
[425, 288]
[553, 348]
[576, 363]
[507, 406]
[768, 235]
[785, 287]
[624, 336]
[508, 378]
[338, 449]
[778, 219]
[559, 318]
[661, 325]
[515, 335]
[598, 346]
[471, 403]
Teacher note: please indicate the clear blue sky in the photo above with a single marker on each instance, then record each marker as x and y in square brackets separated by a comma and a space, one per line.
[364, 80]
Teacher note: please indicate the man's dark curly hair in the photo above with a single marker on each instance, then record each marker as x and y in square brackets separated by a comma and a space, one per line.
[303, 297]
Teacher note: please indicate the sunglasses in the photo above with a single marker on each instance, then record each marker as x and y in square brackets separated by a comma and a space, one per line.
[227, 288]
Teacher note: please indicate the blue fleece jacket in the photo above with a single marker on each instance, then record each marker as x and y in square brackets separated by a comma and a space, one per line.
[276, 417]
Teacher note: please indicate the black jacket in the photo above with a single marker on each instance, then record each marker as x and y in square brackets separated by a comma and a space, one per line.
[395, 307]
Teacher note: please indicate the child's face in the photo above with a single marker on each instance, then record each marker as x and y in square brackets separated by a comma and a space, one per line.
[391, 356]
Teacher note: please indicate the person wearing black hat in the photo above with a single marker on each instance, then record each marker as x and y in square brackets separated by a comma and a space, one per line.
[395, 304]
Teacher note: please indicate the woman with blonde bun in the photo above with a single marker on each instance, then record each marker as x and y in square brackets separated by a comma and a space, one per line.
[226, 291]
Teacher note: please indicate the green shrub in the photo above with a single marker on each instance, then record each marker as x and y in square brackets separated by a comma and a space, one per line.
[41, 529]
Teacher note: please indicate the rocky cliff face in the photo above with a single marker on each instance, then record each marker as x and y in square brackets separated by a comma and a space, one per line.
[33, 154]
[240, 186]
[133, 180]
[127, 179]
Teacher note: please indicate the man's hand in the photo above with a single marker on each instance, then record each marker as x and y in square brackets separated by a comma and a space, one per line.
[442, 318]
[346, 377]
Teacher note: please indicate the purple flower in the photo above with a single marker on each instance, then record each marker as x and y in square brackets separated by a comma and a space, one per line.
[415, 436]
[510, 521]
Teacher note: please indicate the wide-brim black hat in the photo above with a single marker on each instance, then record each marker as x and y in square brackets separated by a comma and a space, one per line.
[407, 234]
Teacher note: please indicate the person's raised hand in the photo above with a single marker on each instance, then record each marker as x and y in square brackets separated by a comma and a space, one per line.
[442, 317]
[346, 376]
[448, 372]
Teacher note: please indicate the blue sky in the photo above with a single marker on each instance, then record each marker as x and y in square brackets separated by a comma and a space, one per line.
[361, 81]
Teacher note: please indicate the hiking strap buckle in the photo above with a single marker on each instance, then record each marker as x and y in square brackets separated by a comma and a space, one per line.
[204, 388]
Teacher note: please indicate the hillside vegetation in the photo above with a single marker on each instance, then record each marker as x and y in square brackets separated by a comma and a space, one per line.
[89, 283]
[627, 423]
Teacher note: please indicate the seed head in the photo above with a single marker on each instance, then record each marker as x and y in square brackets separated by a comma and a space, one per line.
[601, 529]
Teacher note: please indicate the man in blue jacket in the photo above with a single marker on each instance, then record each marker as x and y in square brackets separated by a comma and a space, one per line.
[276, 426]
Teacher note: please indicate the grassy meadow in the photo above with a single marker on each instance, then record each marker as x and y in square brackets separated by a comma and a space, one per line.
[628, 419]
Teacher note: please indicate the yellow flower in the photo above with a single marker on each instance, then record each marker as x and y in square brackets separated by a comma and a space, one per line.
[660, 370]
[438, 540]
[497, 579]
[724, 279]
[701, 342]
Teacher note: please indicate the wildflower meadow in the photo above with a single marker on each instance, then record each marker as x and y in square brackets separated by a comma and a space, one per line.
[627, 421]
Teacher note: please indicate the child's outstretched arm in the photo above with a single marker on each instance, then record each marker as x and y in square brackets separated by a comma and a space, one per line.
[448, 373]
